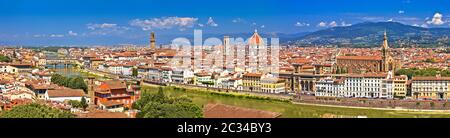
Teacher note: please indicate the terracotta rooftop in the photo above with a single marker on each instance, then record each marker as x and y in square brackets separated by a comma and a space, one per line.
[252, 75]
[111, 103]
[359, 57]
[431, 78]
[377, 75]
[113, 84]
[227, 111]
[102, 114]
[65, 93]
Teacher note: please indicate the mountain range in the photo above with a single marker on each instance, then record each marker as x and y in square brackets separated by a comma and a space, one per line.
[368, 34]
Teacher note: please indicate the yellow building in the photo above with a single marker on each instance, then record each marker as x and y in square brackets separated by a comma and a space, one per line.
[95, 62]
[273, 85]
[400, 87]
[252, 81]
[430, 87]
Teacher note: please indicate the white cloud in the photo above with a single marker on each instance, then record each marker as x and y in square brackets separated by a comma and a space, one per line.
[39, 35]
[106, 28]
[237, 20]
[424, 25]
[373, 18]
[165, 23]
[263, 26]
[299, 24]
[56, 35]
[71, 33]
[100, 26]
[211, 22]
[254, 23]
[201, 25]
[333, 24]
[322, 24]
[401, 12]
[345, 24]
[436, 20]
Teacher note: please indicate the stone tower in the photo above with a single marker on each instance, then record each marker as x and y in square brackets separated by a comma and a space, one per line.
[152, 40]
[385, 53]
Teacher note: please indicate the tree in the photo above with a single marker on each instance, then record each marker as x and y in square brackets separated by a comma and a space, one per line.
[71, 82]
[75, 103]
[338, 70]
[158, 105]
[78, 83]
[35, 111]
[423, 72]
[5, 58]
[83, 103]
[134, 72]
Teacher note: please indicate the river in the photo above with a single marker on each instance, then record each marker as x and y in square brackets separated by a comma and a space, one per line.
[68, 71]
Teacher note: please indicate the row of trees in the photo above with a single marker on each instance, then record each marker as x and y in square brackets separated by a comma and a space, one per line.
[35, 110]
[158, 105]
[341, 71]
[71, 82]
[423, 72]
[79, 104]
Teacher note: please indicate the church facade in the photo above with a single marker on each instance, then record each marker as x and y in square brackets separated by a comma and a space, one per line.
[363, 64]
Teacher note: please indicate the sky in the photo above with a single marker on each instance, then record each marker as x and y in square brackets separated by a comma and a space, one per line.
[110, 22]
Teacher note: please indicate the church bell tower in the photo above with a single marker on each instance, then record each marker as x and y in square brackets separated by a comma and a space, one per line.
[385, 53]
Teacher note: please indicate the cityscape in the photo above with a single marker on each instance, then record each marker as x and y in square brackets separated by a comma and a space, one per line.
[343, 65]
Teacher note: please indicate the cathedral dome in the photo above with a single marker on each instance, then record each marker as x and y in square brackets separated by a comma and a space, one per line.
[256, 40]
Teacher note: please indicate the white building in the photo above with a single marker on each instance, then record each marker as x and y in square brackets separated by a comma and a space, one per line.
[166, 74]
[127, 70]
[430, 87]
[358, 86]
[330, 87]
[182, 76]
[154, 73]
[61, 95]
[111, 106]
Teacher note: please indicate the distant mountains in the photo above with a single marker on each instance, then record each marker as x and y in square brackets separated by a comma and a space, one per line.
[284, 37]
[369, 34]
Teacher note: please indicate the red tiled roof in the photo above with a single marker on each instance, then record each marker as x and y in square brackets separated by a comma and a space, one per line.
[65, 93]
[359, 57]
[102, 114]
[252, 75]
[431, 78]
[113, 84]
[111, 103]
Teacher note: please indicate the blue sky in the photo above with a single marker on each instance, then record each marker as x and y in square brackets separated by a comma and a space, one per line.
[105, 22]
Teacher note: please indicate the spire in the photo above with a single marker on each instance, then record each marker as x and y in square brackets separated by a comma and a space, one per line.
[385, 40]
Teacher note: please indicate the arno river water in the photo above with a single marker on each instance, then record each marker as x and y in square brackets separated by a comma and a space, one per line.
[61, 69]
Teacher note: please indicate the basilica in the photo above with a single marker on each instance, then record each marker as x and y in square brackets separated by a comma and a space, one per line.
[363, 64]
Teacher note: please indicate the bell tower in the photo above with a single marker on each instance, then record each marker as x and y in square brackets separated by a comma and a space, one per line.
[385, 53]
[152, 40]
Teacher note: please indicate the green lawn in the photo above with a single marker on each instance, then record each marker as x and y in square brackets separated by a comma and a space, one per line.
[286, 108]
